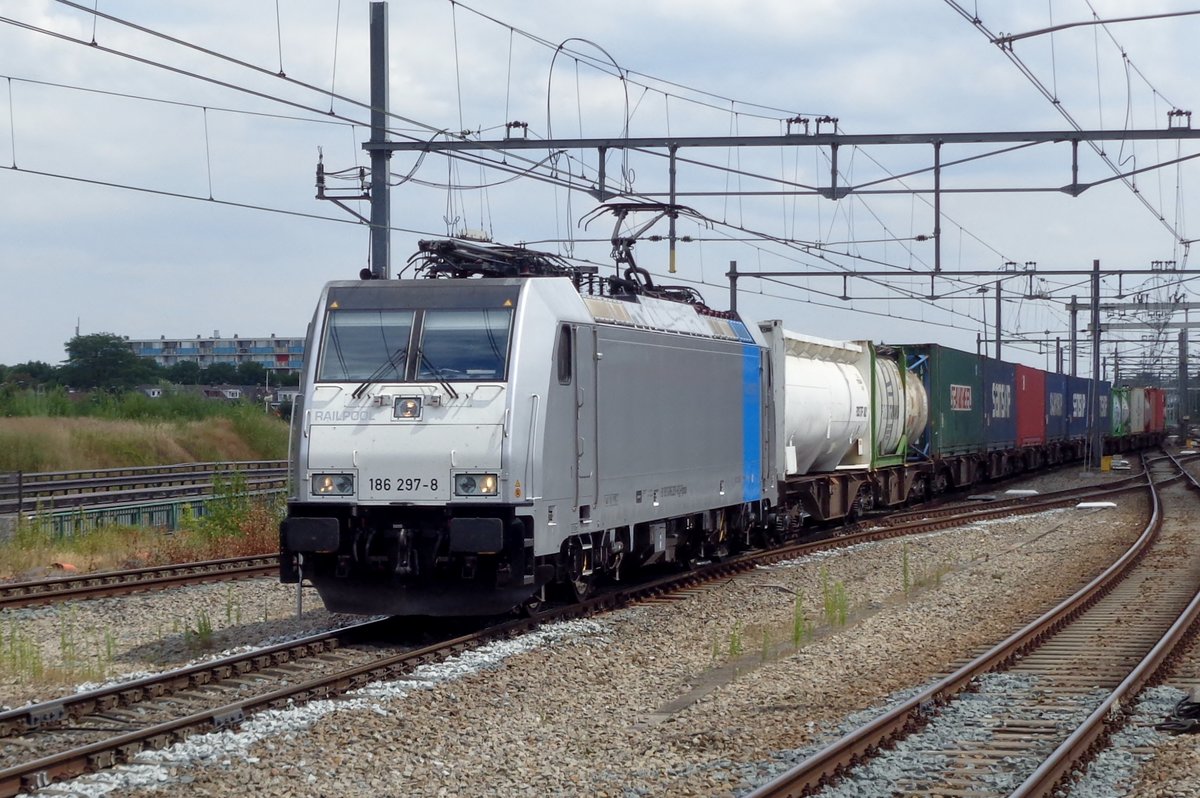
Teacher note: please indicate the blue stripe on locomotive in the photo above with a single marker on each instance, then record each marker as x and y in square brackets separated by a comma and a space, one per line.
[751, 424]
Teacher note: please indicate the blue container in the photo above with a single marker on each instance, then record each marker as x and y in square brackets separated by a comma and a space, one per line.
[999, 404]
[1056, 404]
[1078, 394]
[1104, 414]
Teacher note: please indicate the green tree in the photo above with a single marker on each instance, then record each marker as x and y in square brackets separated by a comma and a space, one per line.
[29, 375]
[219, 374]
[104, 360]
[251, 373]
[185, 372]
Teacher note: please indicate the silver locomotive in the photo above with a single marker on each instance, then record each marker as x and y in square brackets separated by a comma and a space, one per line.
[462, 445]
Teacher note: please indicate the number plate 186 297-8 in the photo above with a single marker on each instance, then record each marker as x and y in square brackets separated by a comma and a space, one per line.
[401, 484]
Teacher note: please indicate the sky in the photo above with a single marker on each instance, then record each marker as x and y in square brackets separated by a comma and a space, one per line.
[160, 182]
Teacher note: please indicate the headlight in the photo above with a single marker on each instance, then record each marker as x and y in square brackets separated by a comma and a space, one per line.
[407, 407]
[475, 485]
[333, 484]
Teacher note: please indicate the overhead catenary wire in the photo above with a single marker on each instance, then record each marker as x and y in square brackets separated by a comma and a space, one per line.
[626, 172]
[227, 84]
[481, 162]
[1059, 106]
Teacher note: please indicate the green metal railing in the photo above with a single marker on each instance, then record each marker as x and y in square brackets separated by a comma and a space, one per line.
[163, 514]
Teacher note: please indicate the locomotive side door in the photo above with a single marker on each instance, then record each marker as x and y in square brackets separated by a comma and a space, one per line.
[586, 459]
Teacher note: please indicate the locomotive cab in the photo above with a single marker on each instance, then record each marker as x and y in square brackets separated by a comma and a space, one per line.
[408, 496]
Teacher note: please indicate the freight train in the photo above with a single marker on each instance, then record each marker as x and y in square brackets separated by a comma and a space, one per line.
[461, 446]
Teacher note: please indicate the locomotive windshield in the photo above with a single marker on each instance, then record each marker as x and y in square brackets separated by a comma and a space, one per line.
[363, 344]
[452, 345]
[464, 345]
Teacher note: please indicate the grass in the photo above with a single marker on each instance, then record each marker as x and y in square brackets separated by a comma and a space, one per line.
[20, 654]
[199, 635]
[84, 653]
[233, 608]
[235, 525]
[802, 628]
[913, 578]
[836, 603]
[835, 613]
[735, 641]
[133, 430]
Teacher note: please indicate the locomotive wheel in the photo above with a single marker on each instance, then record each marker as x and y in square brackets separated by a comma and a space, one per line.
[531, 606]
[583, 587]
[580, 584]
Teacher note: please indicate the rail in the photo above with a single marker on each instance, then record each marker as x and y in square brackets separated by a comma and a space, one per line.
[115, 583]
[75, 502]
[832, 761]
[22, 491]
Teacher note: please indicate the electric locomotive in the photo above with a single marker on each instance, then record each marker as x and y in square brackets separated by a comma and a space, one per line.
[462, 444]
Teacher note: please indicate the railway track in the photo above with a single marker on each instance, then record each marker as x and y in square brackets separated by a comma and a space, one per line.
[1000, 503]
[1022, 717]
[135, 580]
[33, 492]
[115, 583]
[58, 739]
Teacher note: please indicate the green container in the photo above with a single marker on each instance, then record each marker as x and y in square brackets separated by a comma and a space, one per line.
[1118, 411]
[954, 382]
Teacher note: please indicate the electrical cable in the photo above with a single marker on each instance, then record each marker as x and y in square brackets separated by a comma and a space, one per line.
[481, 161]
[1059, 106]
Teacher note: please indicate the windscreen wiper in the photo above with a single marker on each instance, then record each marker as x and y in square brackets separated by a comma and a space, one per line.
[438, 374]
[377, 373]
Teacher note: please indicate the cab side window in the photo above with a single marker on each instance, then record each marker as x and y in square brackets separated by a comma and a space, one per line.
[563, 355]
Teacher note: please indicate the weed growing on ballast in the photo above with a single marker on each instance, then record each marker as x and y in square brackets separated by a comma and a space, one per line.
[735, 640]
[837, 604]
[802, 628]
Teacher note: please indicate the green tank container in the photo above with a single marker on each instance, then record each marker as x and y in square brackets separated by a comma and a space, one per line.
[1119, 411]
[953, 381]
[899, 406]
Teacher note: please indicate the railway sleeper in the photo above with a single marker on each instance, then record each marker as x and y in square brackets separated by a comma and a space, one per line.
[101, 760]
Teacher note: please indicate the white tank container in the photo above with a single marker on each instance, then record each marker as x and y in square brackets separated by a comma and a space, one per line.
[916, 408]
[901, 406]
[1138, 410]
[827, 403]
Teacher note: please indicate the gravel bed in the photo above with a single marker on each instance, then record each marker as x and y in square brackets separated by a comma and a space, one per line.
[966, 718]
[647, 701]
[1116, 769]
[50, 650]
[656, 699]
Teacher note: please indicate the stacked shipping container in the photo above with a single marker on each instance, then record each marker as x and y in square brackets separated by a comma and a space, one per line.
[980, 404]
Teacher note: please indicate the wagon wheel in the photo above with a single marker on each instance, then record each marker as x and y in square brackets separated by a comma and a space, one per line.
[862, 502]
